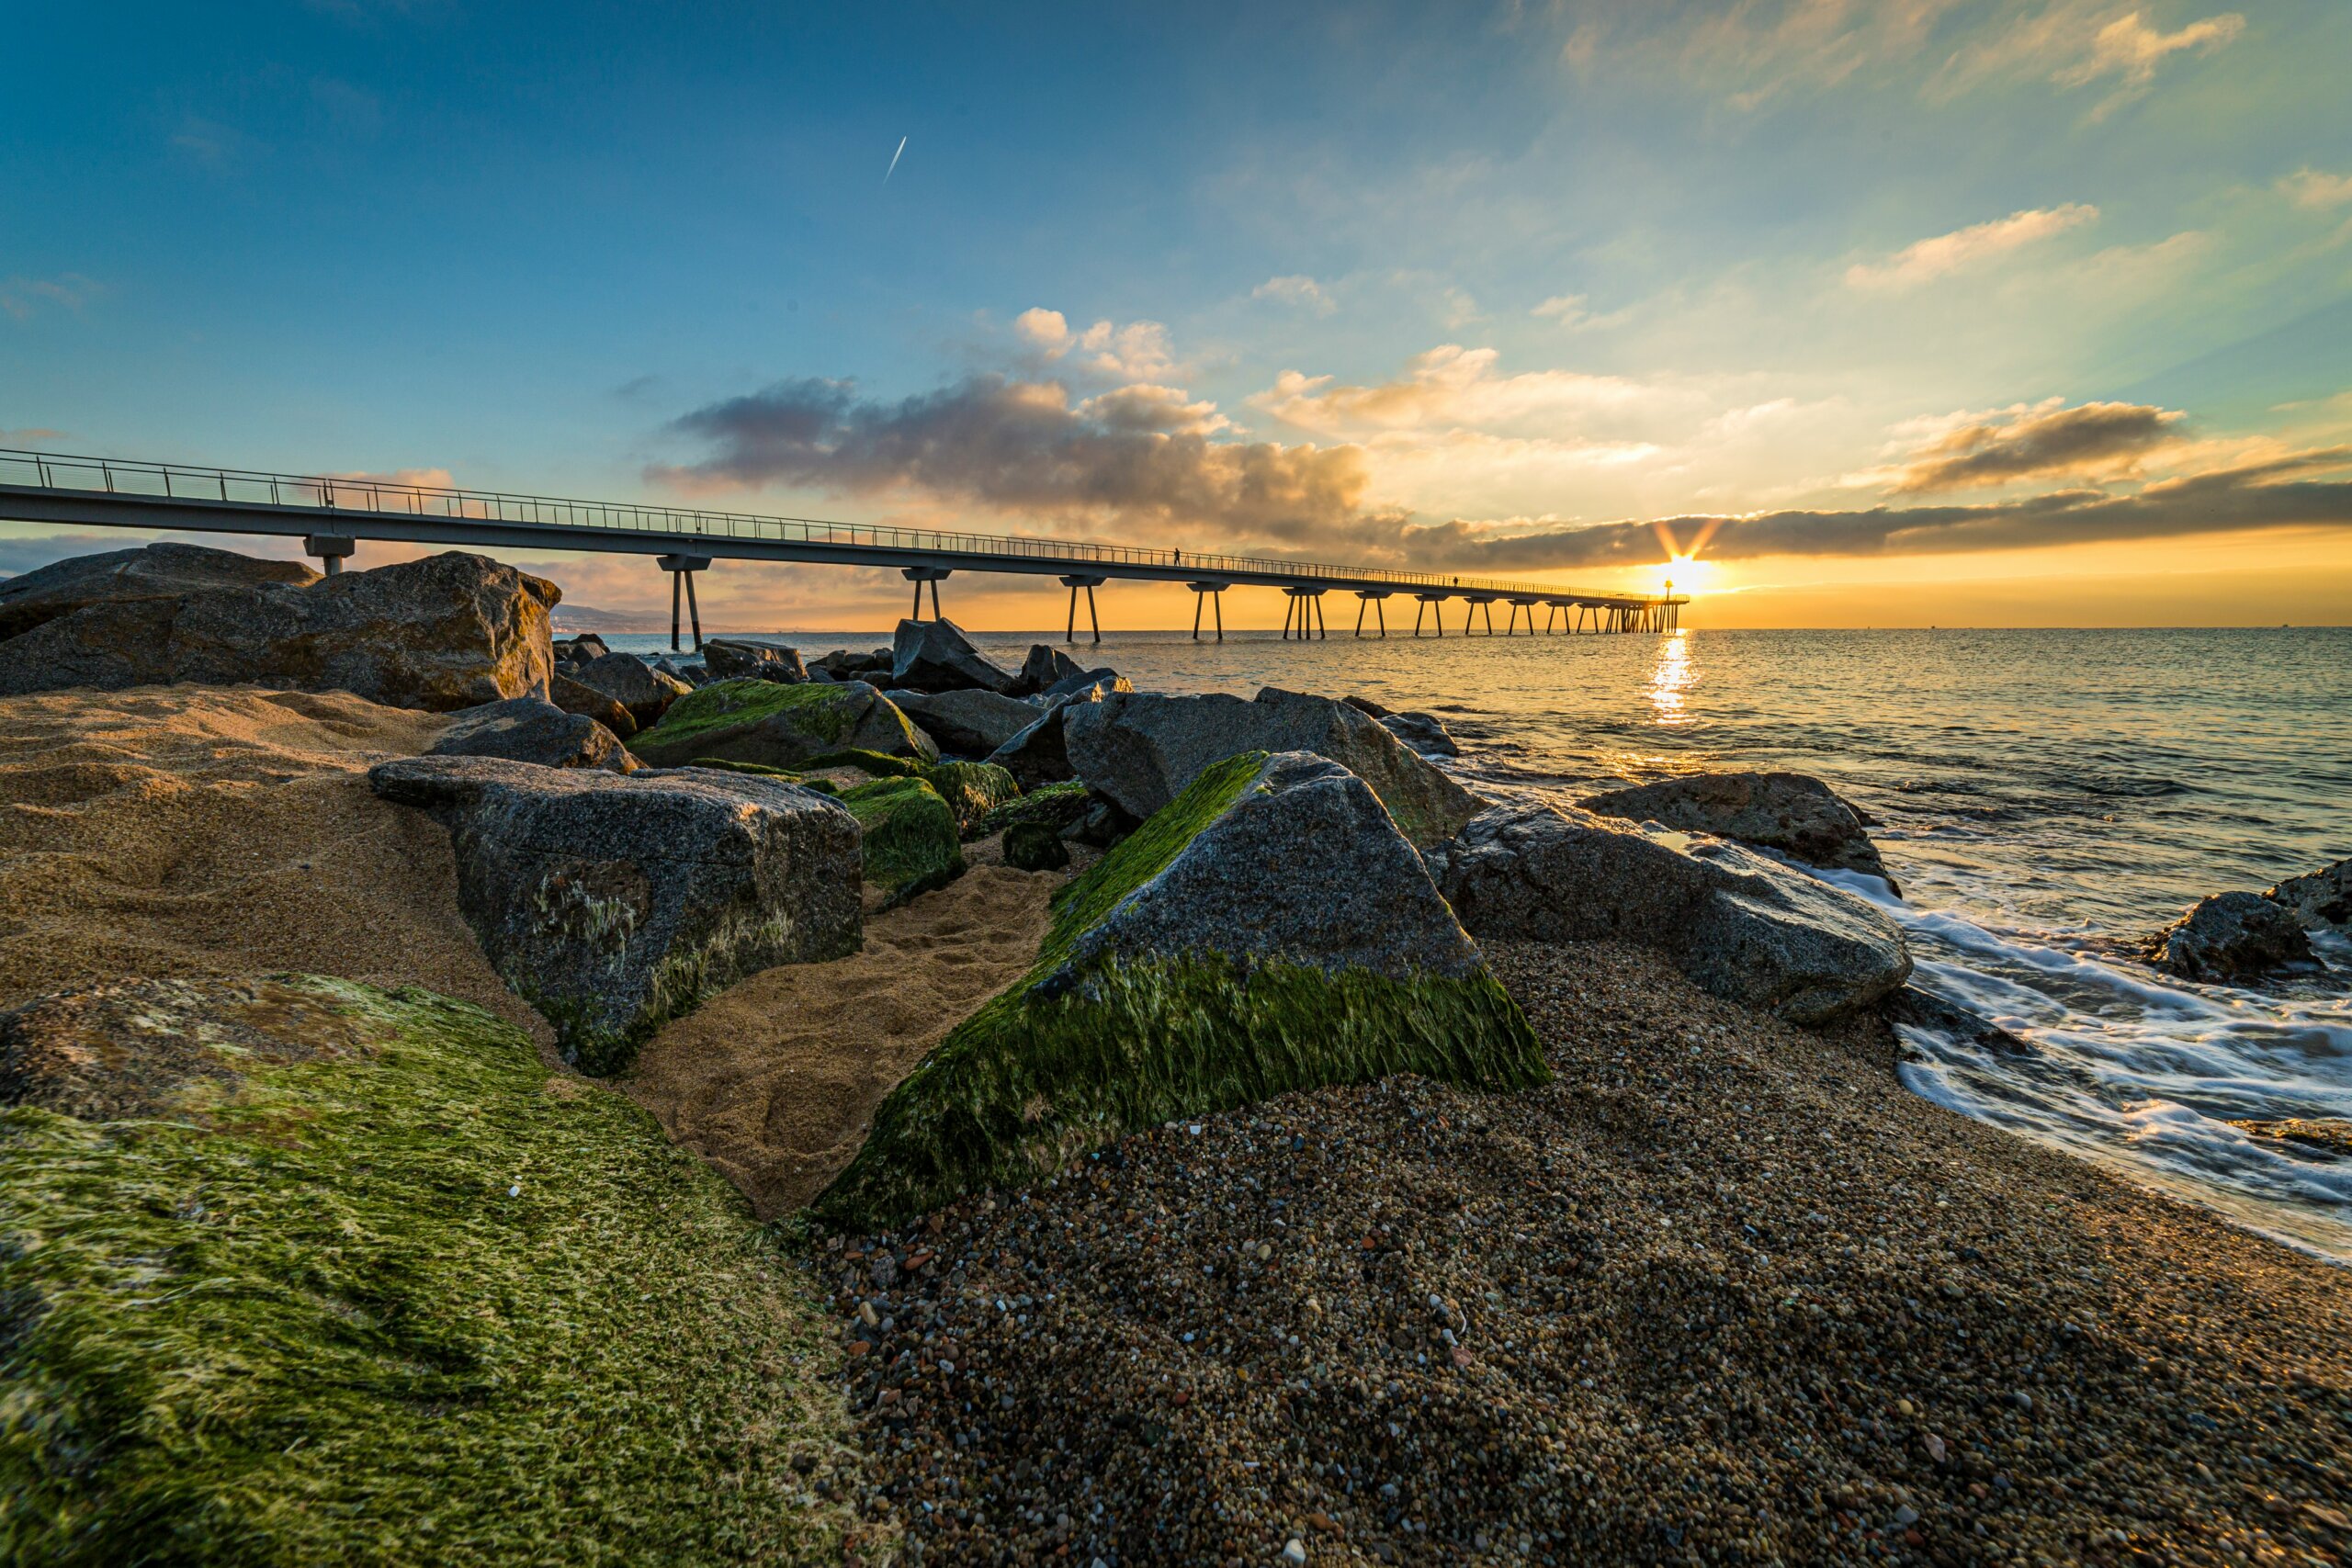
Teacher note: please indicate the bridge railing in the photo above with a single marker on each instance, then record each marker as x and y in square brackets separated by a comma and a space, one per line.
[372, 493]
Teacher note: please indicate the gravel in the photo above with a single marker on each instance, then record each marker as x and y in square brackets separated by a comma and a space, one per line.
[1723, 1292]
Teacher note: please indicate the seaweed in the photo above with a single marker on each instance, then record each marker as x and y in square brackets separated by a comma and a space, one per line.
[364, 1308]
[825, 710]
[1056, 806]
[910, 843]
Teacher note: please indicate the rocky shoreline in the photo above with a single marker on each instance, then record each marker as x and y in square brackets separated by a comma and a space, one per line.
[1356, 1170]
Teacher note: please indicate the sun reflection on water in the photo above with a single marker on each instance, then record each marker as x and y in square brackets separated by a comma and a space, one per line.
[1674, 676]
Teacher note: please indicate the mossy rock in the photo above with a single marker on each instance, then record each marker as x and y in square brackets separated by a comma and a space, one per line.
[911, 844]
[822, 786]
[780, 725]
[972, 790]
[1053, 805]
[1214, 959]
[300, 1271]
[875, 764]
[1033, 846]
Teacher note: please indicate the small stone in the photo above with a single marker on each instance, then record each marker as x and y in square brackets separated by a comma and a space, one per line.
[1295, 1550]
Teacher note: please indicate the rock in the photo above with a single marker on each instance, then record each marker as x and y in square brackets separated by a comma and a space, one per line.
[1742, 927]
[688, 673]
[1033, 846]
[1798, 816]
[572, 697]
[1925, 1010]
[1425, 733]
[911, 842]
[971, 722]
[2230, 936]
[1037, 756]
[1366, 707]
[1045, 666]
[449, 631]
[1268, 930]
[2322, 901]
[525, 729]
[254, 1206]
[165, 570]
[738, 658]
[1057, 806]
[781, 725]
[2330, 1135]
[1101, 824]
[646, 692]
[615, 904]
[935, 656]
[587, 645]
[1142, 751]
[971, 790]
[1101, 682]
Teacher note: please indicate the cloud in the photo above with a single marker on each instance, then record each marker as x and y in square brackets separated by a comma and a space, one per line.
[212, 145]
[1926, 259]
[2310, 187]
[1450, 386]
[2094, 440]
[2275, 493]
[21, 297]
[1460, 310]
[2074, 43]
[1759, 50]
[1140, 351]
[1296, 289]
[32, 437]
[1143, 454]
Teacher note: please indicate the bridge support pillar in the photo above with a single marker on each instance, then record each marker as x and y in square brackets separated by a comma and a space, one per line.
[332, 550]
[919, 575]
[1476, 603]
[1070, 632]
[1520, 601]
[1304, 615]
[682, 570]
[1422, 602]
[1214, 593]
[1378, 599]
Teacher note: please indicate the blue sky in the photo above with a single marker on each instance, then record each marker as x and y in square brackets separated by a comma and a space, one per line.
[2031, 284]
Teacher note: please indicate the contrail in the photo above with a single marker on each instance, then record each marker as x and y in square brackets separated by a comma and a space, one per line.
[894, 160]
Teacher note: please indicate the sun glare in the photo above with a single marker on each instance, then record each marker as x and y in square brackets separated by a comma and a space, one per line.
[1685, 574]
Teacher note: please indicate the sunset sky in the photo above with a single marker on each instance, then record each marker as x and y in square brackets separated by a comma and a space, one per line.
[1896, 313]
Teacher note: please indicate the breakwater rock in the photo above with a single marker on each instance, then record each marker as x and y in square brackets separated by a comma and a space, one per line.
[781, 725]
[1795, 814]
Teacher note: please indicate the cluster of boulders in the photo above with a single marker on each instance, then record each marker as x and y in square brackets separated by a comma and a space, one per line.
[2233, 937]
[1291, 894]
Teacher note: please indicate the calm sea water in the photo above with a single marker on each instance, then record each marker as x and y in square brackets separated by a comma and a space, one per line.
[2048, 799]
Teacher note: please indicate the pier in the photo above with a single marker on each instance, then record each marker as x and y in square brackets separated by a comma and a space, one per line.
[330, 515]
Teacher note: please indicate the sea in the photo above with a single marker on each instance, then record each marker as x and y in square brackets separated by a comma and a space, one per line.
[2047, 799]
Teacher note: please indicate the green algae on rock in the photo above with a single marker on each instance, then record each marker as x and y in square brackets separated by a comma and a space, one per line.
[1268, 930]
[783, 726]
[971, 790]
[910, 843]
[1055, 806]
[1033, 846]
[303, 1271]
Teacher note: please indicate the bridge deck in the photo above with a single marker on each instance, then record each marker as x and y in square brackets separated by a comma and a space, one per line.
[105, 493]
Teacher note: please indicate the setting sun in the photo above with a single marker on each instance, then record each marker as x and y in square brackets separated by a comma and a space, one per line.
[1687, 574]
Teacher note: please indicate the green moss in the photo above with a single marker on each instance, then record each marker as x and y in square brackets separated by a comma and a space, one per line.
[911, 846]
[1057, 806]
[875, 764]
[822, 786]
[314, 1320]
[820, 708]
[972, 790]
[1030, 1080]
[1033, 846]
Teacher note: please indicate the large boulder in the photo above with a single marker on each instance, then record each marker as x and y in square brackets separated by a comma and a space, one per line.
[935, 656]
[1045, 666]
[971, 790]
[2322, 899]
[1743, 927]
[276, 1250]
[449, 631]
[525, 729]
[2230, 936]
[971, 722]
[165, 570]
[1141, 750]
[1268, 930]
[1101, 682]
[572, 697]
[781, 725]
[645, 690]
[846, 664]
[586, 646]
[1796, 815]
[730, 659]
[615, 904]
[1037, 755]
